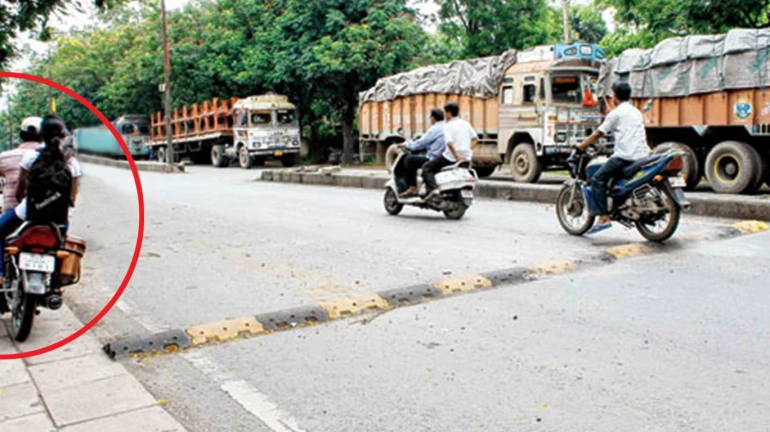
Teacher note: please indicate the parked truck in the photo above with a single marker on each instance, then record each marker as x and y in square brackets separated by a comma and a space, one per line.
[248, 130]
[707, 96]
[98, 140]
[527, 107]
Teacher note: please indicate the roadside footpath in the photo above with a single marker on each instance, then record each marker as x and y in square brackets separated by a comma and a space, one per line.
[140, 165]
[755, 207]
[72, 389]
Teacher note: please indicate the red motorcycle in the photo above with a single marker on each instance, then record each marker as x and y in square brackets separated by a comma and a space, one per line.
[40, 259]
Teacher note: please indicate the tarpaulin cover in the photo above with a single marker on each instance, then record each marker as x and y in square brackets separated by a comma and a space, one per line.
[478, 77]
[691, 65]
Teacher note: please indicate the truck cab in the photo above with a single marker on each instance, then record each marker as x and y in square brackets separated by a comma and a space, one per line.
[136, 133]
[547, 103]
[265, 127]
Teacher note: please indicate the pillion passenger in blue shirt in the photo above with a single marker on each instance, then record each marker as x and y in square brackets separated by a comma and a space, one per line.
[433, 142]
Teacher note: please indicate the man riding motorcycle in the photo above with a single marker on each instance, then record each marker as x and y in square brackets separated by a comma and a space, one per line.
[626, 123]
[10, 159]
[460, 140]
[433, 142]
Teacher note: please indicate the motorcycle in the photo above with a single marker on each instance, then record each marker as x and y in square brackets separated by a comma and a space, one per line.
[456, 182]
[39, 260]
[648, 195]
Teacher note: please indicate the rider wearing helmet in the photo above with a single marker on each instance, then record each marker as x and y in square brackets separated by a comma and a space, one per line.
[10, 160]
[626, 123]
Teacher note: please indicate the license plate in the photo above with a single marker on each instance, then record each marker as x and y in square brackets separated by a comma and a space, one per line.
[466, 194]
[677, 182]
[279, 153]
[35, 262]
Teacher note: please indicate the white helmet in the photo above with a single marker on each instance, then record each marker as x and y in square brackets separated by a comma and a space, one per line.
[31, 125]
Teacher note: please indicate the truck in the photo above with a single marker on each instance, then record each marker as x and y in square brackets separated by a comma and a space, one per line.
[528, 107]
[248, 130]
[134, 129]
[706, 96]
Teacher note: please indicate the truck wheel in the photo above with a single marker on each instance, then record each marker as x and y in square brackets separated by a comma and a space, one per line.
[485, 171]
[732, 167]
[525, 166]
[244, 158]
[691, 165]
[218, 158]
[760, 175]
[289, 161]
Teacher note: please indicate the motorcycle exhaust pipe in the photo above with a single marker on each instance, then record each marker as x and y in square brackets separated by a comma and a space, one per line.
[54, 301]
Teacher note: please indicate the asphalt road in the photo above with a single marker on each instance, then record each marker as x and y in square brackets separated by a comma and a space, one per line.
[671, 342]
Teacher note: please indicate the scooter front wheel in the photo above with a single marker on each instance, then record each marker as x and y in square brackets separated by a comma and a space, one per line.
[392, 206]
[572, 211]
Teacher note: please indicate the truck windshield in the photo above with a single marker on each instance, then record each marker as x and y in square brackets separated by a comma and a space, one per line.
[286, 117]
[261, 118]
[144, 128]
[566, 89]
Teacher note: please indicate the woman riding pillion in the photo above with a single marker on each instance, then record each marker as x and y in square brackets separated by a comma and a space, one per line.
[47, 185]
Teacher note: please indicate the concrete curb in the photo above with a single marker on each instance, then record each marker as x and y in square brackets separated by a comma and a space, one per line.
[73, 389]
[140, 165]
[703, 204]
[383, 301]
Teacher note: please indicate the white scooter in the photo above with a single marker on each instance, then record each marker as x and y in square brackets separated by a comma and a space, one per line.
[456, 183]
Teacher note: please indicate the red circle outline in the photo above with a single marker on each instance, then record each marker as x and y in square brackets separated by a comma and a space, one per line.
[140, 233]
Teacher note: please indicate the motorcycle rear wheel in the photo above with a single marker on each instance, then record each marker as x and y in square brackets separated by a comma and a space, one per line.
[574, 216]
[667, 225]
[23, 316]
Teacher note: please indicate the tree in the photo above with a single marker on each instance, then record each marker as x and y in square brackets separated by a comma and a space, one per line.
[490, 27]
[647, 22]
[587, 24]
[21, 16]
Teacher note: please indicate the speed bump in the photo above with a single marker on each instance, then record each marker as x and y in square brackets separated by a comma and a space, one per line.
[628, 250]
[224, 330]
[451, 286]
[751, 227]
[553, 268]
[353, 305]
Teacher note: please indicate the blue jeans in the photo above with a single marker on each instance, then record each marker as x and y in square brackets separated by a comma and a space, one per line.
[9, 223]
[613, 168]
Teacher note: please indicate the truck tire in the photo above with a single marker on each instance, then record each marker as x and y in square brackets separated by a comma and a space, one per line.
[485, 171]
[244, 158]
[525, 166]
[218, 158]
[732, 167]
[691, 163]
[289, 161]
[760, 175]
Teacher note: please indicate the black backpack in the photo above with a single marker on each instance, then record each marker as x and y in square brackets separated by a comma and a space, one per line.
[49, 191]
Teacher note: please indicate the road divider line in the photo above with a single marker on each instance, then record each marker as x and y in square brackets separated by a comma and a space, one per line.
[232, 329]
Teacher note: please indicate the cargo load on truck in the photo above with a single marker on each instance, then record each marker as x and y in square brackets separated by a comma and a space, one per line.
[705, 95]
[247, 130]
[527, 107]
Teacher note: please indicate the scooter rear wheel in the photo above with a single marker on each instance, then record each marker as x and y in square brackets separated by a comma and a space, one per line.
[392, 206]
[457, 212]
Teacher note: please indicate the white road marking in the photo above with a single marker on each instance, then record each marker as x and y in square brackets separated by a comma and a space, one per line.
[258, 405]
[149, 323]
[245, 394]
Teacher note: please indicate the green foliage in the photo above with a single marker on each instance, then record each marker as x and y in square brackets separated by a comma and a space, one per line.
[490, 27]
[21, 16]
[647, 22]
[587, 24]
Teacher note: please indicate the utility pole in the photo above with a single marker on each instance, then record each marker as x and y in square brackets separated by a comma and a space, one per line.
[169, 146]
[565, 19]
[50, 59]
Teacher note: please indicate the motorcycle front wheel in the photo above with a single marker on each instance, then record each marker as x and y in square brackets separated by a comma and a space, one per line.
[572, 211]
[663, 226]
